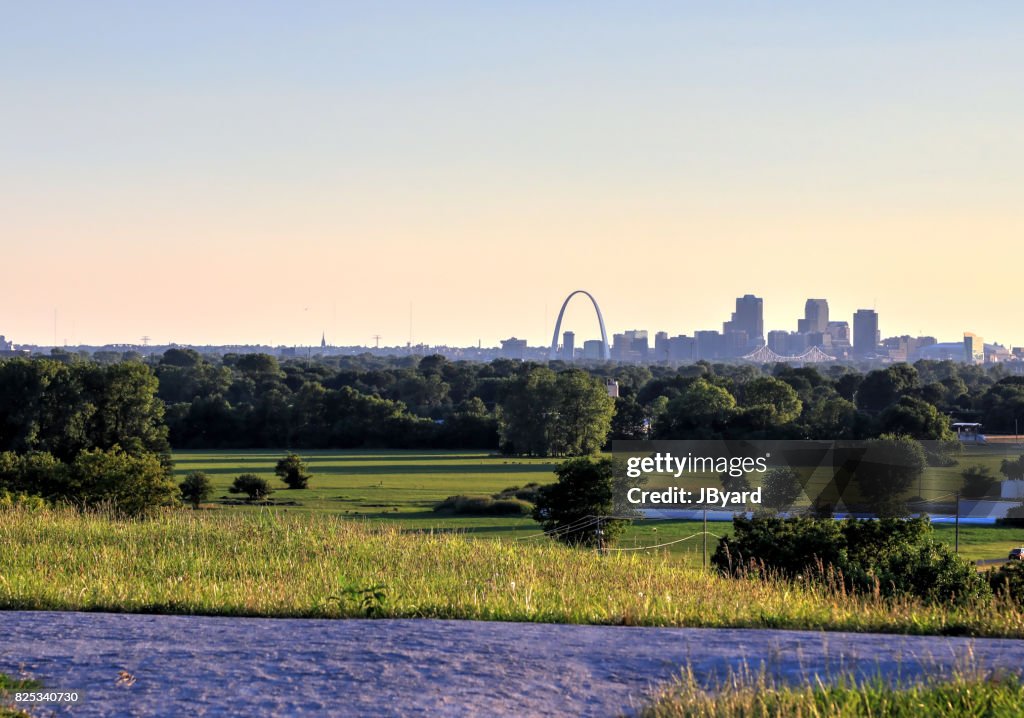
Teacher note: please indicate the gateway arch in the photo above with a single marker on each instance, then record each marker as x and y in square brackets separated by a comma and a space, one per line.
[605, 351]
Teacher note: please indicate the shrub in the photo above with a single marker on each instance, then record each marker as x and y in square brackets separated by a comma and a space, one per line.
[253, 486]
[1008, 580]
[10, 500]
[292, 470]
[890, 556]
[979, 482]
[128, 483]
[526, 493]
[196, 488]
[483, 506]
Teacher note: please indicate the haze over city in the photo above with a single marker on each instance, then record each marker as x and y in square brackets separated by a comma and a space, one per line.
[202, 175]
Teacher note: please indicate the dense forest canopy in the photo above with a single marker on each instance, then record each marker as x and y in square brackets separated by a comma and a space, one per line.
[66, 403]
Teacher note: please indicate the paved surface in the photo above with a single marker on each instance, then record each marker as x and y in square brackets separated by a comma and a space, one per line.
[185, 665]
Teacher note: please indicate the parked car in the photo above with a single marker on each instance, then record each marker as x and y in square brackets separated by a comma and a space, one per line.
[1017, 554]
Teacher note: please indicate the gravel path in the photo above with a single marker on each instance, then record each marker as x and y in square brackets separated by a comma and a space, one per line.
[187, 665]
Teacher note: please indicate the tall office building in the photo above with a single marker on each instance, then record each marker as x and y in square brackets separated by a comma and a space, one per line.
[815, 317]
[593, 349]
[865, 332]
[568, 346]
[661, 347]
[748, 318]
[513, 348]
[974, 348]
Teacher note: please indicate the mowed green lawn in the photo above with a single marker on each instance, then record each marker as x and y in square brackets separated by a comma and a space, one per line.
[402, 487]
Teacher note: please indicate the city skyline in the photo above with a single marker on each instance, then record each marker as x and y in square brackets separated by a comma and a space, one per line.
[860, 336]
[270, 175]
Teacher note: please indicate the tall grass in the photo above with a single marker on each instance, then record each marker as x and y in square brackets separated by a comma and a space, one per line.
[299, 564]
[965, 694]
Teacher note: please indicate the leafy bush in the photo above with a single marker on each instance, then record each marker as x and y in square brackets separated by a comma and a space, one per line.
[979, 482]
[128, 483]
[253, 486]
[292, 470]
[196, 488]
[889, 556]
[526, 493]
[1008, 580]
[10, 500]
[483, 506]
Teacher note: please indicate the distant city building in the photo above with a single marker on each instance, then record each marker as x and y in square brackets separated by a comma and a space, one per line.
[5, 346]
[815, 317]
[865, 333]
[593, 349]
[748, 318]
[612, 387]
[682, 348]
[568, 346]
[710, 344]
[974, 349]
[630, 346]
[905, 348]
[661, 347]
[997, 353]
[513, 348]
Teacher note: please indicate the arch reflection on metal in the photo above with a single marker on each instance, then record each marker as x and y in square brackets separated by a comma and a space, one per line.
[605, 351]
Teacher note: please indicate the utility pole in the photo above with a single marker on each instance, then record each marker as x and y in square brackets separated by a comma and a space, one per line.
[705, 537]
[956, 539]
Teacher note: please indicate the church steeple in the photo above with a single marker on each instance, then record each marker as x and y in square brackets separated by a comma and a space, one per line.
[323, 340]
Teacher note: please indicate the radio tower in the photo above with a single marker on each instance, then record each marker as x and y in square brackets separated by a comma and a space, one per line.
[376, 338]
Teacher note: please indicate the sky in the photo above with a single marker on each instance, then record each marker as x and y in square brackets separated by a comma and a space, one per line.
[447, 172]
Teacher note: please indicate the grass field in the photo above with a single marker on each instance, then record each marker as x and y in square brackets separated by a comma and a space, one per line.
[402, 487]
[315, 565]
[753, 697]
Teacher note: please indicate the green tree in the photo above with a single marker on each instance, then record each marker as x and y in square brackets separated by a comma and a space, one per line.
[583, 414]
[883, 387]
[580, 504]
[545, 414]
[1013, 469]
[772, 402]
[978, 482]
[701, 411]
[292, 471]
[780, 487]
[196, 488]
[917, 418]
[253, 486]
[889, 467]
[526, 414]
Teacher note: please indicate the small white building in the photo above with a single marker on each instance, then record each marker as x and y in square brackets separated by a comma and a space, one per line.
[612, 387]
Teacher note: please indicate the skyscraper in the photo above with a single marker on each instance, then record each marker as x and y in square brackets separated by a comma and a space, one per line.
[974, 348]
[865, 332]
[749, 318]
[815, 316]
[568, 346]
